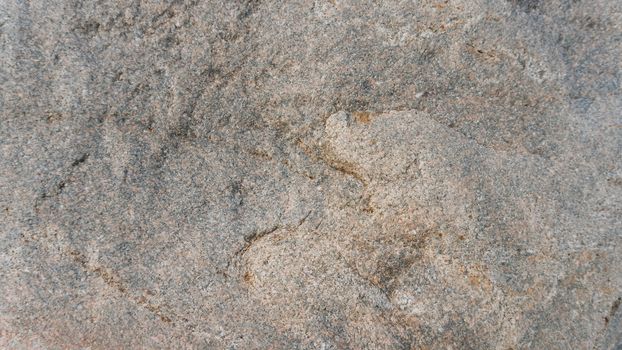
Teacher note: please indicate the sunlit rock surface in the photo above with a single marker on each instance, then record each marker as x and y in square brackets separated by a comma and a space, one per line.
[311, 174]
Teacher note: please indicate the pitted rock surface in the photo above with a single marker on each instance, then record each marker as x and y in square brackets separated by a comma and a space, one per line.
[310, 174]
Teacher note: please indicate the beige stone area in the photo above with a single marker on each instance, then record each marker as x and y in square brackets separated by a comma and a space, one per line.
[402, 252]
[310, 174]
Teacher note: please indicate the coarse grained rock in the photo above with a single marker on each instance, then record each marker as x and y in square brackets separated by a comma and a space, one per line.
[311, 174]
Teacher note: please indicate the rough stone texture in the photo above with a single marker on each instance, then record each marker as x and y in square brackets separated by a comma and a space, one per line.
[311, 174]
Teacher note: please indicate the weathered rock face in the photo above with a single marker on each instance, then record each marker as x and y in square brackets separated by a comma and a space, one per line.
[311, 174]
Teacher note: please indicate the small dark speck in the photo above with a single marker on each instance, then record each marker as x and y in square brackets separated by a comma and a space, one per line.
[80, 160]
[118, 76]
[615, 306]
[526, 5]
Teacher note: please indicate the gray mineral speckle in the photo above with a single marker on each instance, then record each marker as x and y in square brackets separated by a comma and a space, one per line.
[326, 174]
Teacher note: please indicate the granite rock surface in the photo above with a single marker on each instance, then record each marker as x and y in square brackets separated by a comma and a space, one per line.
[311, 174]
